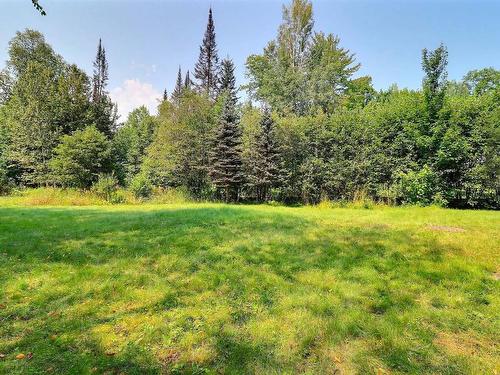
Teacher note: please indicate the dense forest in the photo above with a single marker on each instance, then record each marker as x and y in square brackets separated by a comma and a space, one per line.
[309, 129]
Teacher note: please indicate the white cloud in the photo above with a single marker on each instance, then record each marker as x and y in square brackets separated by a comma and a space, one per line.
[132, 94]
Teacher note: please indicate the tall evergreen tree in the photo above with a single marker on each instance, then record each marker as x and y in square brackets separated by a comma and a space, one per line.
[227, 80]
[188, 83]
[165, 95]
[226, 170]
[104, 112]
[264, 173]
[207, 67]
[176, 94]
[100, 76]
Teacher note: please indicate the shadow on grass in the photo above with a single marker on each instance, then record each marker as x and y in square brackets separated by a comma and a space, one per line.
[241, 255]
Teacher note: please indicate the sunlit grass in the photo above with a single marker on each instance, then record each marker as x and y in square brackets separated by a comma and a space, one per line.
[207, 288]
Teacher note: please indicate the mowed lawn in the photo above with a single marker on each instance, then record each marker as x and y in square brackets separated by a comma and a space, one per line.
[208, 288]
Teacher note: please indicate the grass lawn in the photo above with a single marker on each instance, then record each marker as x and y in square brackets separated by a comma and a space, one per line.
[208, 288]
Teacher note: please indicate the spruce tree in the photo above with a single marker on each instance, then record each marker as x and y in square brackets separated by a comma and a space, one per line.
[264, 168]
[100, 76]
[104, 112]
[226, 169]
[188, 83]
[177, 93]
[227, 80]
[207, 67]
[165, 95]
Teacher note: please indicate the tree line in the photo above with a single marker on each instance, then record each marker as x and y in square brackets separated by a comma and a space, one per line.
[310, 130]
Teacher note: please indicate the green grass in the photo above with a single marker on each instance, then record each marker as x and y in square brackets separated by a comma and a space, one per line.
[208, 288]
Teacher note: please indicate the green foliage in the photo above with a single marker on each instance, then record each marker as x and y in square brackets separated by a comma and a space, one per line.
[314, 173]
[141, 186]
[179, 153]
[5, 182]
[226, 169]
[434, 85]
[227, 81]
[106, 187]
[479, 82]
[331, 138]
[179, 88]
[46, 99]
[80, 158]
[206, 70]
[417, 187]
[131, 142]
[302, 72]
[104, 112]
[27, 47]
[262, 160]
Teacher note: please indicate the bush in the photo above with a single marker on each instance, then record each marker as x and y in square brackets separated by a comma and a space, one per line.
[439, 200]
[5, 184]
[80, 158]
[141, 186]
[106, 188]
[417, 187]
[313, 175]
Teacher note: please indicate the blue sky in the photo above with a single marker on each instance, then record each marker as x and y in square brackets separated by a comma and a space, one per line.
[146, 41]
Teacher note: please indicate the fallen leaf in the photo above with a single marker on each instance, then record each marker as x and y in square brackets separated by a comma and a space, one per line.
[337, 359]
[2, 356]
[30, 355]
[20, 356]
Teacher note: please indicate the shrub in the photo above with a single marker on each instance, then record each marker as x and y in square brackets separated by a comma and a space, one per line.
[439, 200]
[141, 186]
[5, 184]
[80, 158]
[106, 188]
[313, 176]
[417, 187]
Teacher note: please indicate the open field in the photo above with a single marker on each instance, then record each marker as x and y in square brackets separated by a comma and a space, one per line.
[209, 288]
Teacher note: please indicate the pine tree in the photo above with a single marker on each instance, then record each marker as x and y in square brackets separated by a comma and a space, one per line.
[188, 83]
[264, 173]
[100, 76]
[227, 80]
[226, 170]
[104, 112]
[207, 67]
[165, 95]
[177, 93]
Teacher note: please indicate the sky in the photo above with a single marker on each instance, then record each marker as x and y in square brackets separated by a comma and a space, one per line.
[146, 41]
